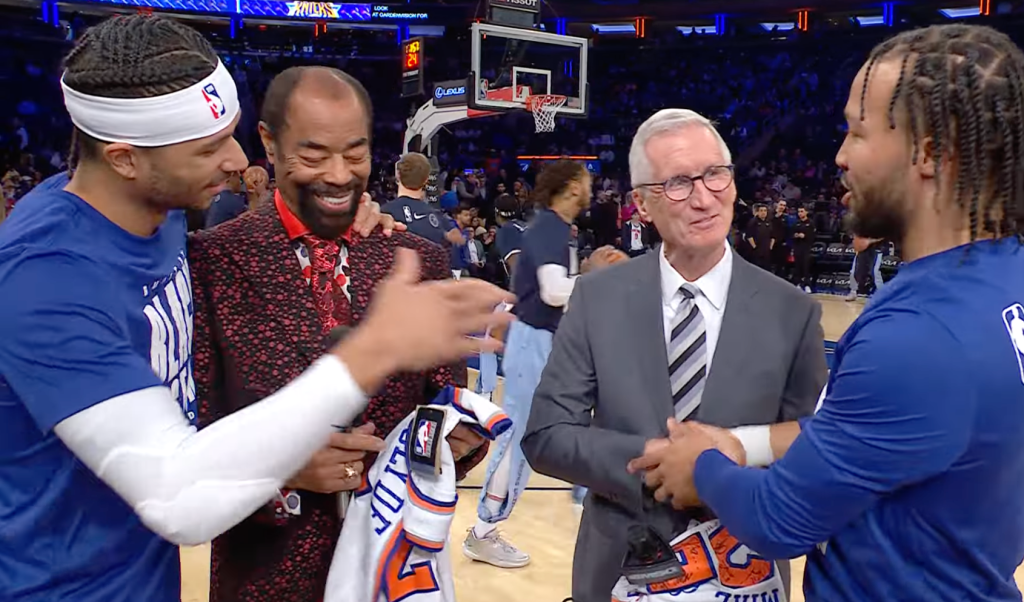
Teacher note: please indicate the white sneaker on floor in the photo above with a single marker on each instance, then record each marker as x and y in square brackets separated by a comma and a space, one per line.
[851, 297]
[494, 550]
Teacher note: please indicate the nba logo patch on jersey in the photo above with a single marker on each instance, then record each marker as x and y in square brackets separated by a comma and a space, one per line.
[424, 444]
[214, 101]
[1013, 319]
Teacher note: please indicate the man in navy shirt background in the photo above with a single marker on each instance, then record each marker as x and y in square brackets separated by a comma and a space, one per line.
[412, 172]
[511, 228]
[907, 483]
[544, 277]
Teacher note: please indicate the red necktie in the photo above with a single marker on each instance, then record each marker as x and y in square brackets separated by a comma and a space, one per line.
[331, 303]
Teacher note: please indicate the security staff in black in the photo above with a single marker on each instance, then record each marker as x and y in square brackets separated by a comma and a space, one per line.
[412, 172]
[803, 240]
[760, 236]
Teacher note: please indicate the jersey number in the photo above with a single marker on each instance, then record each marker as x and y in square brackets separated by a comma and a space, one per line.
[399, 582]
[698, 568]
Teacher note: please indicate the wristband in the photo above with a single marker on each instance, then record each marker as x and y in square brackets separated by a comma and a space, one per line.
[756, 442]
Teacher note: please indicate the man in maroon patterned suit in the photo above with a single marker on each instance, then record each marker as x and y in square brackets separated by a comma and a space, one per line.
[271, 288]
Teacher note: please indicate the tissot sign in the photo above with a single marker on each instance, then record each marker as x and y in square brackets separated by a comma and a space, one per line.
[532, 6]
[449, 93]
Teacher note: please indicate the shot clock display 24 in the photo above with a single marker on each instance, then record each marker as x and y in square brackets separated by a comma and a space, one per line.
[412, 67]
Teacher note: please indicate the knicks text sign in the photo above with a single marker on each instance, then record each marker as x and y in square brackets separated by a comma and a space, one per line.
[314, 10]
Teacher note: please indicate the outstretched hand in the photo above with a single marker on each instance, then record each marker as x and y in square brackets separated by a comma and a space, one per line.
[413, 325]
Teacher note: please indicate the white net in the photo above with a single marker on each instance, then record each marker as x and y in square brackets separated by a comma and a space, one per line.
[544, 108]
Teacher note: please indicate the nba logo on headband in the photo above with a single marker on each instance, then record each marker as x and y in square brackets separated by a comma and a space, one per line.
[214, 101]
[159, 120]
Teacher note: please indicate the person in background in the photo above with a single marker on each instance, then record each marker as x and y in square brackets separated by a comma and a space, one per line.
[461, 220]
[509, 238]
[803, 242]
[635, 236]
[866, 272]
[545, 273]
[257, 186]
[229, 204]
[780, 240]
[412, 171]
[915, 448]
[760, 238]
[272, 289]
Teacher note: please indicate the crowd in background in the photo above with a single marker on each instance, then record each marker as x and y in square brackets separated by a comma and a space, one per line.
[778, 102]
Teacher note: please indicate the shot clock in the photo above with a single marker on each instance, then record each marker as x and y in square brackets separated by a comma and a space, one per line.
[412, 67]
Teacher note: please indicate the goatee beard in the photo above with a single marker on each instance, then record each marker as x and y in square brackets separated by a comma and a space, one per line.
[327, 227]
[875, 218]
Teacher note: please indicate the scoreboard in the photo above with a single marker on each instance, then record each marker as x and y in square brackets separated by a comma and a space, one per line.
[412, 67]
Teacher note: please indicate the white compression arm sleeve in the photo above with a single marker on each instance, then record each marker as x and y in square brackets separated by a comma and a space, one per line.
[190, 486]
[555, 284]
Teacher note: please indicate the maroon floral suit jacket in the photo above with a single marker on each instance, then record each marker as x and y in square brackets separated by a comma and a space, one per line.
[256, 329]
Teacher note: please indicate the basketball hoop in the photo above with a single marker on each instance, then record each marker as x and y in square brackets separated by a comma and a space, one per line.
[544, 107]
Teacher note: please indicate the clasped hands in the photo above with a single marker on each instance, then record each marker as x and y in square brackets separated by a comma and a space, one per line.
[667, 464]
[339, 466]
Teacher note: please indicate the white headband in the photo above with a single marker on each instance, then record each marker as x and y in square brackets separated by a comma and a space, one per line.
[201, 110]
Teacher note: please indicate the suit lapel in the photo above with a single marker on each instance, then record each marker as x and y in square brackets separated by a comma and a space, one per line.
[730, 354]
[649, 340]
[268, 262]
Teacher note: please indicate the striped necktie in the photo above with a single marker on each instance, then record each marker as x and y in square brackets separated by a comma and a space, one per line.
[687, 356]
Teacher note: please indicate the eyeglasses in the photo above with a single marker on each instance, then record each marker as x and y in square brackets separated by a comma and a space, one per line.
[679, 188]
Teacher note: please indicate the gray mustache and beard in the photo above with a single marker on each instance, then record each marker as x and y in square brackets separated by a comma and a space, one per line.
[328, 226]
[877, 211]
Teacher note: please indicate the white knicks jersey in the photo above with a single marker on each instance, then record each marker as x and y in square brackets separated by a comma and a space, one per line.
[394, 541]
[716, 568]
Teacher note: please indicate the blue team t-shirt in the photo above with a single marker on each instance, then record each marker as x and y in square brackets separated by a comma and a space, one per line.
[907, 484]
[90, 312]
[420, 218]
[545, 241]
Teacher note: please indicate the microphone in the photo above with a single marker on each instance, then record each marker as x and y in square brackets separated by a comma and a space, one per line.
[649, 558]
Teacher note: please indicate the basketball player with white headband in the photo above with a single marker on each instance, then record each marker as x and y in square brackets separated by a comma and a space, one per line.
[101, 470]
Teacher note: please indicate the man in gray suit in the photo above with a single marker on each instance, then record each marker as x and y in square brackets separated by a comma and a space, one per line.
[707, 336]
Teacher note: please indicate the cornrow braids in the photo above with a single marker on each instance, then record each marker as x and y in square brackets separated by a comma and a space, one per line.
[962, 86]
[554, 179]
[136, 56]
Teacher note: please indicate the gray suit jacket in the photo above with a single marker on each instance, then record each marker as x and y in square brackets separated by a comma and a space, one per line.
[609, 358]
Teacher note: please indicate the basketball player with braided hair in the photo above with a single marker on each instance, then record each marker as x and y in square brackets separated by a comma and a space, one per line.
[907, 482]
[102, 473]
[546, 271]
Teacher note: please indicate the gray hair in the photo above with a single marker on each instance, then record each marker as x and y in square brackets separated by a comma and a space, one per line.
[665, 120]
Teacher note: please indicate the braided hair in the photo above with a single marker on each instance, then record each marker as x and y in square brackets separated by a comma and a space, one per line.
[555, 178]
[136, 56]
[963, 86]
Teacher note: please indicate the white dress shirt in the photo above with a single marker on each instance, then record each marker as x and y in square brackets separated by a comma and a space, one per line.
[713, 293]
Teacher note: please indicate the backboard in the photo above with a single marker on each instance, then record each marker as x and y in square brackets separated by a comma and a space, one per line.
[525, 62]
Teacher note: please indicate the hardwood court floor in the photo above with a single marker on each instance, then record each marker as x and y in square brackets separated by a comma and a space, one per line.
[543, 524]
